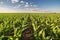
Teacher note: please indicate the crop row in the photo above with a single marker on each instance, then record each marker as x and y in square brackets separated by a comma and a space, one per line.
[23, 27]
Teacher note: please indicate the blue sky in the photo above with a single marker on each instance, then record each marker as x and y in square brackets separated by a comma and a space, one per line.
[30, 5]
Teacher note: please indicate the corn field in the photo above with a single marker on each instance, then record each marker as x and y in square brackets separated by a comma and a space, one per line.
[30, 27]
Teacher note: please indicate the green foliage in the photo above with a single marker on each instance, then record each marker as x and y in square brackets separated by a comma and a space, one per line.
[46, 27]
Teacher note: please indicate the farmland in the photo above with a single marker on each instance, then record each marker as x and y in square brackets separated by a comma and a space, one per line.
[28, 26]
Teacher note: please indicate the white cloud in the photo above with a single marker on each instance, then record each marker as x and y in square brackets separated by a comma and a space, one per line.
[1, 2]
[31, 10]
[34, 5]
[22, 2]
[27, 3]
[31, 5]
[14, 1]
[26, 6]
[8, 10]
[17, 6]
